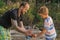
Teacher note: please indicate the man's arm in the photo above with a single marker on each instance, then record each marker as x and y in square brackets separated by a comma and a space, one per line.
[15, 24]
[21, 27]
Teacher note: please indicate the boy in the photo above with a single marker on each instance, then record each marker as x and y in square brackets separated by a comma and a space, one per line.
[49, 29]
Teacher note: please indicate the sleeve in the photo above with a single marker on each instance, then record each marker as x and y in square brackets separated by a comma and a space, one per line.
[14, 14]
[15, 17]
[20, 18]
[47, 23]
[14, 22]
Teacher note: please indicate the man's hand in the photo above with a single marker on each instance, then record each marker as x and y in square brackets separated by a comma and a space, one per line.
[28, 32]
[34, 35]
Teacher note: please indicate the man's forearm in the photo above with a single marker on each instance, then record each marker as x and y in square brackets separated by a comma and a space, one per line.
[23, 30]
[14, 23]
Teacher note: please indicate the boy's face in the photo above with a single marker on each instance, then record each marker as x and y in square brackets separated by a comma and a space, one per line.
[42, 16]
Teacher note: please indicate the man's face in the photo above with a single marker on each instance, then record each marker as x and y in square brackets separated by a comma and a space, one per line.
[25, 8]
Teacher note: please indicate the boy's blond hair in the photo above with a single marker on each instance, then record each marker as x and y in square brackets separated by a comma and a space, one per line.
[43, 10]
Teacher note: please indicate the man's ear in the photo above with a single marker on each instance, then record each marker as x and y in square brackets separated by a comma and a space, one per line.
[19, 11]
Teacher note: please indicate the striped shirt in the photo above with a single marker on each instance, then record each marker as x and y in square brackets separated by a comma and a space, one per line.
[49, 26]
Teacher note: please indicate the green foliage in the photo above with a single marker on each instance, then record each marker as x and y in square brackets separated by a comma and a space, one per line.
[28, 18]
[1, 3]
[6, 7]
[32, 17]
[15, 1]
[58, 16]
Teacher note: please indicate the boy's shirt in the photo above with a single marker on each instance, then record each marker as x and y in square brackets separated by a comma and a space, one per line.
[49, 26]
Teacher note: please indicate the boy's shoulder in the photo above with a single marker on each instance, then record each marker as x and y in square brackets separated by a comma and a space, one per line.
[48, 19]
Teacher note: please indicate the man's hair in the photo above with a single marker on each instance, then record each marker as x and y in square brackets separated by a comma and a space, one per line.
[43, 10]
[23, 3]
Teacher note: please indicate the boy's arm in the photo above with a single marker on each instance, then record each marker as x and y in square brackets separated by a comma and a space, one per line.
[46, 27]
[42, 32]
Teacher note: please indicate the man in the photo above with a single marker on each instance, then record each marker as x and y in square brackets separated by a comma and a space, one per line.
[13, 17]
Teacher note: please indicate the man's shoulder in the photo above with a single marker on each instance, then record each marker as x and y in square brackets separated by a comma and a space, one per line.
[14, 10]
[10, 11]
[13, 14]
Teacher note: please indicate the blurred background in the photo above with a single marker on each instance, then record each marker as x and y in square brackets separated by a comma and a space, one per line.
[31, 18]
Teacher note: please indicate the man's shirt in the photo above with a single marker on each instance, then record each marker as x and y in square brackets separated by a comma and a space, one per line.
[5, 19]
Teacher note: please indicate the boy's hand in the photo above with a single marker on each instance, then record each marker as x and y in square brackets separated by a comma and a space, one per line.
[40, 35]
